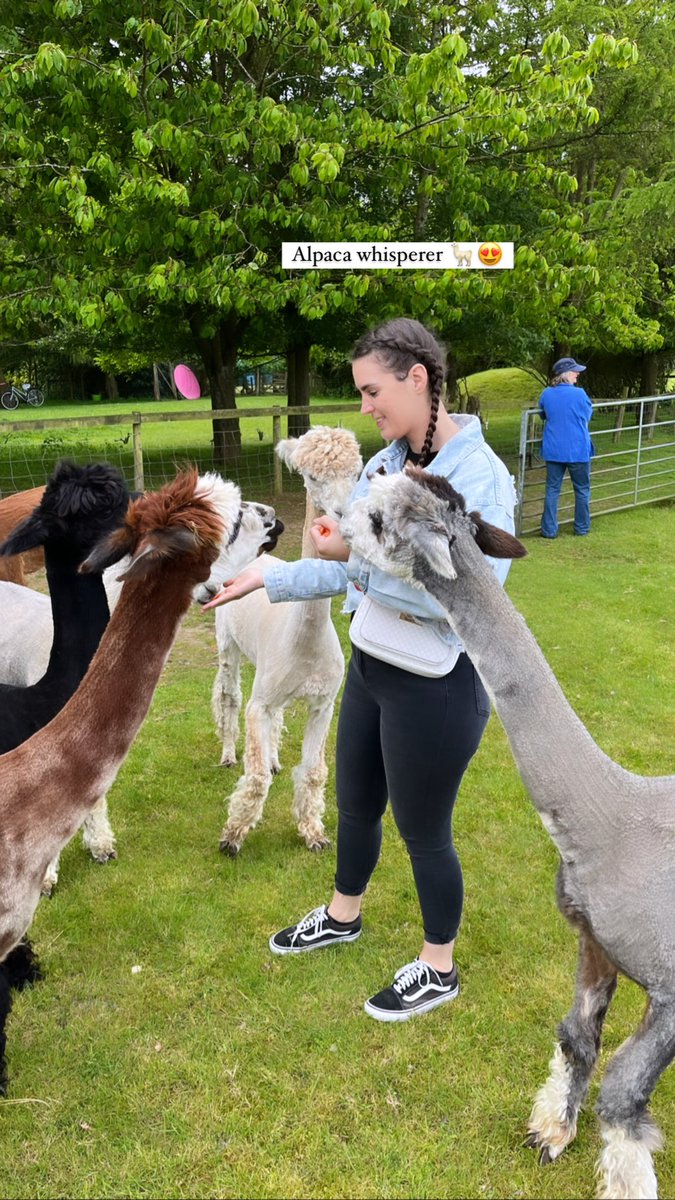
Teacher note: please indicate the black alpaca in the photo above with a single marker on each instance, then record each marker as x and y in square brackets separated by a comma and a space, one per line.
[80, 506]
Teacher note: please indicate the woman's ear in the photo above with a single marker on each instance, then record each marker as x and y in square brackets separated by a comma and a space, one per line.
[419, 375]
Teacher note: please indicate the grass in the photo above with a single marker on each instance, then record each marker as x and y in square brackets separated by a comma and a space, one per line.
[220, 1070]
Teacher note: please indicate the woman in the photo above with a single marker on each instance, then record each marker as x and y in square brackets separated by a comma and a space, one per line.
[402, 737]
[566, 445]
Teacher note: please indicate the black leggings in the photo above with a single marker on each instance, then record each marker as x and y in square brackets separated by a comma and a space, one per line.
[410, 739]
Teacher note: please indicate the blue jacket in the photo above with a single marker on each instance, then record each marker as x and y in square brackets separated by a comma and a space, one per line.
[567, 411]
[472, 468]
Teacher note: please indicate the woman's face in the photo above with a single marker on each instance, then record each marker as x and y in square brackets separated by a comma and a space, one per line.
[399, 407]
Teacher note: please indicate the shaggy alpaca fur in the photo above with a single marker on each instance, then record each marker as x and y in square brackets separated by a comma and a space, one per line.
[14, 509]
[48, 784]
[297, 656]
[615, 831]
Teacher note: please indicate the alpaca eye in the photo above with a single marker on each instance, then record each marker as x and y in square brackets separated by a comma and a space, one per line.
[376, 523]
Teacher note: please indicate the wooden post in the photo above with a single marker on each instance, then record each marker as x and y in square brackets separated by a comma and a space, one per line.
[278, 473]
[137, 442]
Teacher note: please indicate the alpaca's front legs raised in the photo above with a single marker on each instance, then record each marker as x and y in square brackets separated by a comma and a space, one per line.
[553, 1120]
[625, 1167]
[309, 777]
[97, 834]
[248, 798]
[226, 700]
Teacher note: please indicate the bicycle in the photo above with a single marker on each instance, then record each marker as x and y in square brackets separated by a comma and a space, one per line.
[13, 397]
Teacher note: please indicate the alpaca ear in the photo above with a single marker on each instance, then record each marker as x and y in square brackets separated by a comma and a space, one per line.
[434, 546]
[285, 449]
[159, 547]
[495, 541]
[108, 551]
[31, 532]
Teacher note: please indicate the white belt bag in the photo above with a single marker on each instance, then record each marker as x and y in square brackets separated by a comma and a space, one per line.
[401, 640]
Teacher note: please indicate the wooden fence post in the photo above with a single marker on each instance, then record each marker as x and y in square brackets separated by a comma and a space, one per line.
[276, 461]
[137, 442]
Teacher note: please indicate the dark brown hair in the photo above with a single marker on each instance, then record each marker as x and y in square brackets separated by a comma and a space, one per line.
[399, 344]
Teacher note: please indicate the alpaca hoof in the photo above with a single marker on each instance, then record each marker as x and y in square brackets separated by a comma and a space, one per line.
[317, 844]
[229, 848]
[104, 855]
[275, 769]
[547, 1153]
[228, 760]
[48, 884]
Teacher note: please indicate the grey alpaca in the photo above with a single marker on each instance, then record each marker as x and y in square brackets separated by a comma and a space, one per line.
[615, 831]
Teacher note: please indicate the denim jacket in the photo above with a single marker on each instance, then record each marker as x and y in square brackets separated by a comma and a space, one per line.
[472, 468]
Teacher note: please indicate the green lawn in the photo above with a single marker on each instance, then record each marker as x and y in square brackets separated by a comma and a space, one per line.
[220, 1070]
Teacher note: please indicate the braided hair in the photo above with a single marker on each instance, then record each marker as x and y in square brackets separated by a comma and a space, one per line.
[398, 345]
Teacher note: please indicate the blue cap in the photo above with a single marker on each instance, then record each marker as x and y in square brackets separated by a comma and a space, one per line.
[566, 364]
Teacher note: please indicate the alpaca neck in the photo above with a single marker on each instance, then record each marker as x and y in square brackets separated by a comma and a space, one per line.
[311, 511]
[570, 780]
[310, 613]
[80, 614]
[57, 776]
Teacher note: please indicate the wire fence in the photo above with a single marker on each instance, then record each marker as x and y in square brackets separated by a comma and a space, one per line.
[634, 461]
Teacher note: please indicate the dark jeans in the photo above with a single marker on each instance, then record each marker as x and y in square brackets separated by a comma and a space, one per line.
[580, 474]
[408, 739]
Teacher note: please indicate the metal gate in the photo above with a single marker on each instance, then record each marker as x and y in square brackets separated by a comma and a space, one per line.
[634, 461]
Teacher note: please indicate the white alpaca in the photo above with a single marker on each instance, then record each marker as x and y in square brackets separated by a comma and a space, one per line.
[297, 656]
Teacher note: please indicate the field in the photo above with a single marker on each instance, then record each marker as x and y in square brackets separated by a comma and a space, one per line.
[219, 1070]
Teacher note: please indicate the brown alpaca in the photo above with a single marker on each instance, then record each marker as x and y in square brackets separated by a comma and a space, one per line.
[50, 783]
[12, 510]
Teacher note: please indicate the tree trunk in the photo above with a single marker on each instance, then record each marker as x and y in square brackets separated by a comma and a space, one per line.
[219, 355]
[111, 389]
[298, 388]
[649, 386]
[155, 382]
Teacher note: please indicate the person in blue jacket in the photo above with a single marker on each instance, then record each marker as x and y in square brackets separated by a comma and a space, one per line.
[403, 738]
[566, 445]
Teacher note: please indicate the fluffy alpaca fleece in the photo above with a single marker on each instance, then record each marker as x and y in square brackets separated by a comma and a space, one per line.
[48, 784]
[614, 830]
[14, 509]
[297, 656]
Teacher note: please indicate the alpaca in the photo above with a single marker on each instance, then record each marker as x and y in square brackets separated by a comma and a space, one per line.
[50, 783]
[462, 257]
[615, 830]
[27, 632]
[78, 507]
[12, 510]
[297, 656]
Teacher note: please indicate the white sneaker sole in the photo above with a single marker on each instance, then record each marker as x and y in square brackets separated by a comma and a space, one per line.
[350, 937]
[381, 1014]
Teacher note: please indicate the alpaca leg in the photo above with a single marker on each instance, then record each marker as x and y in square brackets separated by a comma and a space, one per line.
[226, 700]
[97, 835]
[19, 969]
[553, 1120]
[51, 876]
[309, 777]
[277, 728]
[248, 798]
[625, 1167]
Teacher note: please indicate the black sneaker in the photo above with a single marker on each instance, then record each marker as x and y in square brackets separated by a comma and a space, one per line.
[417, 988]
[314, 931]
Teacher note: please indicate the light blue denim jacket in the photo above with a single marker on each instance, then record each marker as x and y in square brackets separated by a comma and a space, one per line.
[472, 468]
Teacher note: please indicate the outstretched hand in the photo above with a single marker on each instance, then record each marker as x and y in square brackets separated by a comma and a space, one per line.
[233, 589]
